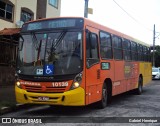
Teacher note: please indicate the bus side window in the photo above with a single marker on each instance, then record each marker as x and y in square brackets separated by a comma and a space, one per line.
[126, 49]
[140, 52]
[134, 53]
[105, 45]
[149, 54]
[117, 44]
[92, 49]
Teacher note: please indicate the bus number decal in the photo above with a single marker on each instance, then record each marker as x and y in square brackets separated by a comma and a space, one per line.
[105, 66]
[60, 84]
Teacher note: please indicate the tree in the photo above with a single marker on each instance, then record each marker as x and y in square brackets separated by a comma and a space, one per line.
[157, 56]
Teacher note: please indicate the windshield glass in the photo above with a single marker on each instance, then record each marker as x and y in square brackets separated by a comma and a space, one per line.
[54, 53]
[155, 69]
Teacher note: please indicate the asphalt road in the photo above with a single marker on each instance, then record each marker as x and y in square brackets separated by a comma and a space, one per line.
[125, 109]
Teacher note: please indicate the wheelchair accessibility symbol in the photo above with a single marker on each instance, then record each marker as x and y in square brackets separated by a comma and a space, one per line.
[49, 69]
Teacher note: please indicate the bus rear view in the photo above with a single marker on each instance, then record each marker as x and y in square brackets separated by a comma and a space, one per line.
[50, 62]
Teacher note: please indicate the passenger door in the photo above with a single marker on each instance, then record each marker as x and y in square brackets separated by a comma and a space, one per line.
[93, 86]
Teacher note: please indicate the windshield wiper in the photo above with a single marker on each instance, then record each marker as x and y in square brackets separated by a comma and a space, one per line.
[39, 50]
[58, 41]
[35, 41]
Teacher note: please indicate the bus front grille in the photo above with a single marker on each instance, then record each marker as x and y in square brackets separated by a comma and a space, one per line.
[42, 89]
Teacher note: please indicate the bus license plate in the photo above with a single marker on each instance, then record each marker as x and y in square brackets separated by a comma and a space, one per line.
[43, 98]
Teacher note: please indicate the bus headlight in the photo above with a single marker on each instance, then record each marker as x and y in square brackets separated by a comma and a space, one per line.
[18, 84]
[76, 84]
[77, 81]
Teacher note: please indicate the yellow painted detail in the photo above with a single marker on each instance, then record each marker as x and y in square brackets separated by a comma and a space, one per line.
[146, 70]
[74, 97]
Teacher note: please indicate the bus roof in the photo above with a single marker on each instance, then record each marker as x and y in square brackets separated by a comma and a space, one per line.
[98, 26]
[44, 19]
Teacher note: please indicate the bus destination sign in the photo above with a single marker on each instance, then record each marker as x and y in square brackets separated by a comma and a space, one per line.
[53, 24]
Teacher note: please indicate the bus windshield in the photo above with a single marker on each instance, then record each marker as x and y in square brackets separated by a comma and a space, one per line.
[53, 53]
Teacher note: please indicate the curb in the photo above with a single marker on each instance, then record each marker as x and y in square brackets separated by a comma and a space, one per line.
[5, 110]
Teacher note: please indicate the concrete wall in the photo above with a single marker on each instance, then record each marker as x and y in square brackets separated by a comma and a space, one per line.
[18, 4]
[52, 11]
[31, 5]
[6, 24]
[41, 9]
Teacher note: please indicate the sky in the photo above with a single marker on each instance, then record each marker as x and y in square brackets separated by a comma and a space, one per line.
[137, 21]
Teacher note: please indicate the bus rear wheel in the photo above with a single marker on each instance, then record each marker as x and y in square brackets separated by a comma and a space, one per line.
[140, 86]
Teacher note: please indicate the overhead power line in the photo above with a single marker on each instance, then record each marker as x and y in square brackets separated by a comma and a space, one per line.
[131, 16]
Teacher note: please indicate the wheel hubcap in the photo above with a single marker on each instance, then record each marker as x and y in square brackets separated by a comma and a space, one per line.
[104, 95]
[140, 86]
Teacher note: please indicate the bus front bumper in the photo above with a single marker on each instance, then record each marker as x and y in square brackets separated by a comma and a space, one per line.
[74, 97]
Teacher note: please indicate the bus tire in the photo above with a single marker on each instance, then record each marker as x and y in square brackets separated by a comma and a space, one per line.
[140, 86]
[103, 102]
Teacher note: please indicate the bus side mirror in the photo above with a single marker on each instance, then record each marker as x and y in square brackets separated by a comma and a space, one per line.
[87, 31]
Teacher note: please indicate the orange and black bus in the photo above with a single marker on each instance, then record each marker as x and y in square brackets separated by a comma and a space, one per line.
[73, 61]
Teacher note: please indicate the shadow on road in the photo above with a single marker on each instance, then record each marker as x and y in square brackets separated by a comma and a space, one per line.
[77, 111]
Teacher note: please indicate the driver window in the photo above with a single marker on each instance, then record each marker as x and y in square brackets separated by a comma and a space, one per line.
[92, 49]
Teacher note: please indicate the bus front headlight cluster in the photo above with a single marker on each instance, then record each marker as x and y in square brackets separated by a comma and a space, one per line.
[77, 81]
[18, 84]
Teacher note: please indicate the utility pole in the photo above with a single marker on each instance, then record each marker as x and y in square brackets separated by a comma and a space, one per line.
[153, 46]
[86, 9]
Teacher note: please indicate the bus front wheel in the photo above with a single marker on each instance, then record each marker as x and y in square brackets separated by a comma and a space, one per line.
[103, 102]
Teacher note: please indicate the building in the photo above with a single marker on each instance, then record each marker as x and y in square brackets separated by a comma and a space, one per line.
[48, 8]
[13, 13]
